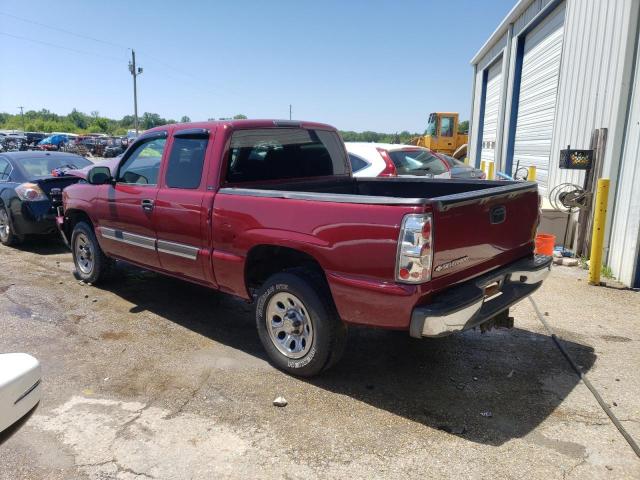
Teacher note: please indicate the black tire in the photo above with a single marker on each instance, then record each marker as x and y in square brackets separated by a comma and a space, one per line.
[329, 333]
[99, 267]
[8, 236]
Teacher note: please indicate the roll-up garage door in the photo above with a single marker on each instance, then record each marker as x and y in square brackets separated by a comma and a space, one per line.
[538, 92]
[491, 108]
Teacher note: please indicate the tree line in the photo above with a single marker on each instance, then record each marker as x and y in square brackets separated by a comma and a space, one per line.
[79, 122]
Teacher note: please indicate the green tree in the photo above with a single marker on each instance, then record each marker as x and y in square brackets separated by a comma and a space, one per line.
[463, 127]
[185, 119]
[239, 116]
[79, 119]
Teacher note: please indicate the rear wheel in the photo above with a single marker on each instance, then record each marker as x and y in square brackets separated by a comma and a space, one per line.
[298, 324]
[7, 233]
[92, 265]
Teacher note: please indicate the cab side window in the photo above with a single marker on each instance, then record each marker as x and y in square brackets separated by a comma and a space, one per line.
[185, 162]
[143, 165]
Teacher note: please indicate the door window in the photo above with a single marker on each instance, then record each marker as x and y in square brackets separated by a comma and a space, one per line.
[446, 127]
[185, 162]
[143, 165]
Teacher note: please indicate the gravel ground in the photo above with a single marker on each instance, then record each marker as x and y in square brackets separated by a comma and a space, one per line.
[149, 377]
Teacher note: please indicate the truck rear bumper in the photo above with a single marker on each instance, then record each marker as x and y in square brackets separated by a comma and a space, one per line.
[470, 304]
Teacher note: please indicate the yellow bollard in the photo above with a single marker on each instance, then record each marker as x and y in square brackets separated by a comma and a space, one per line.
[531, 176]
[483, 166]
[492, 171]
[597, 237]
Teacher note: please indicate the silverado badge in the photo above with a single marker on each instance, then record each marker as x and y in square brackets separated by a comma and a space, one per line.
[452, 263]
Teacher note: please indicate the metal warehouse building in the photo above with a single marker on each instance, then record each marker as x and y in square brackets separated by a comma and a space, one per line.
[552, 73]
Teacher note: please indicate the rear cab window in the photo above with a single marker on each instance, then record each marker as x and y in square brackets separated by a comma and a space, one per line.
[417, 162]
[281, 153]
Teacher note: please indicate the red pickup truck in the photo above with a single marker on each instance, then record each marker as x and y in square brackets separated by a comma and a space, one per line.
[269, 211]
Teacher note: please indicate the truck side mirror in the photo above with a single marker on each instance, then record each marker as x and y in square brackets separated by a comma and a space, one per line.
[99, 176]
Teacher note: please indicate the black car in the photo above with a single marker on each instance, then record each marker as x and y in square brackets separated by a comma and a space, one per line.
[31, 186]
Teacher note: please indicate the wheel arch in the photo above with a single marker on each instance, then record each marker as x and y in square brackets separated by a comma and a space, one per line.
[264, 260]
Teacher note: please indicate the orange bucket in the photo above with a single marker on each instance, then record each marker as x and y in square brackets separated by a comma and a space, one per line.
[545, 243]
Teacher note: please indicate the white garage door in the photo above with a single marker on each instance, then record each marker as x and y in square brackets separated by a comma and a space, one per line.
[538, 92]
[491, 107]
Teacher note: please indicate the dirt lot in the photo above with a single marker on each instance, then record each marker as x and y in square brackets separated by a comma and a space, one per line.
[148, 377]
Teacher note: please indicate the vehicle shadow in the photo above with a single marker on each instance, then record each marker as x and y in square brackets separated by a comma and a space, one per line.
[487, 388]
[43, 245]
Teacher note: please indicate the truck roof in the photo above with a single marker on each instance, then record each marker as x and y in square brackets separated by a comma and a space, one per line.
[250, 123]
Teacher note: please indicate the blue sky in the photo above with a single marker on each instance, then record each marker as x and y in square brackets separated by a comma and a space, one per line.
[359, 65]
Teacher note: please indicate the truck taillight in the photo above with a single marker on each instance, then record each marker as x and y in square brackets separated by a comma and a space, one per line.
[389, 166]
[415, 249]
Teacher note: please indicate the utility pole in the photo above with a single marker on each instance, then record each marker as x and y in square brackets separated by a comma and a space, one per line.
[22, 116]
[289, 111]
[135, 72]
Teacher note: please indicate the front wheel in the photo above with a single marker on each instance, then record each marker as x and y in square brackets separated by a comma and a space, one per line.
[92, 265]
[298, 324]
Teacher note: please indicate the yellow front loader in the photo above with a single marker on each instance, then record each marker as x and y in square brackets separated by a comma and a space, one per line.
[442, 136]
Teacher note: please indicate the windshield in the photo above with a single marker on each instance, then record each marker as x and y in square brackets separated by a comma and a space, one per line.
[417, 162]
[40, 167]
[453, 162]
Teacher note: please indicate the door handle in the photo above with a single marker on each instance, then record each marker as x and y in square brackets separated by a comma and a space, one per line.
[147, 205]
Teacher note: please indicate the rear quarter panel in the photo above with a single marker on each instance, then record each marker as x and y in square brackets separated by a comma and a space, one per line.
[354, 244]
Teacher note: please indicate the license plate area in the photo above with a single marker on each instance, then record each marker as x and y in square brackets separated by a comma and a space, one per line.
[493, 289]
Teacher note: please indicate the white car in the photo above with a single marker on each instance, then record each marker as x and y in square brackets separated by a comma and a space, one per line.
[20, 389]
[393, 160]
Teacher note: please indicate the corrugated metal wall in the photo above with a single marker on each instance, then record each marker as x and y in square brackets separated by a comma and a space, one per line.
[491, 112]
[538, 94]
[593, 92]
[625, 235]
[491, 55]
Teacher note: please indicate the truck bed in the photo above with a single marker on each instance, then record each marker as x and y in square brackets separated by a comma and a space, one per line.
[385, 191]
[477, 223]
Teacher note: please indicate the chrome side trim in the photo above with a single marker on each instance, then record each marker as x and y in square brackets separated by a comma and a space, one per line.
[129, 238]
[164, 246]
[178, 249]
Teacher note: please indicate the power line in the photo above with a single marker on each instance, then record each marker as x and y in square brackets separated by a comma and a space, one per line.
[80, 35]
[82, 52]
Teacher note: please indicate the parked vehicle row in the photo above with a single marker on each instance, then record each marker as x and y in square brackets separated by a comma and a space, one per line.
[96, 145]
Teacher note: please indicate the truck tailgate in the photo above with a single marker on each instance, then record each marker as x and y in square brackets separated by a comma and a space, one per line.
[470, 230]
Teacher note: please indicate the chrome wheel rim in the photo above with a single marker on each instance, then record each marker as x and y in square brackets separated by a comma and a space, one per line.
[289, 325]
[5, 229]
[84, 254]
